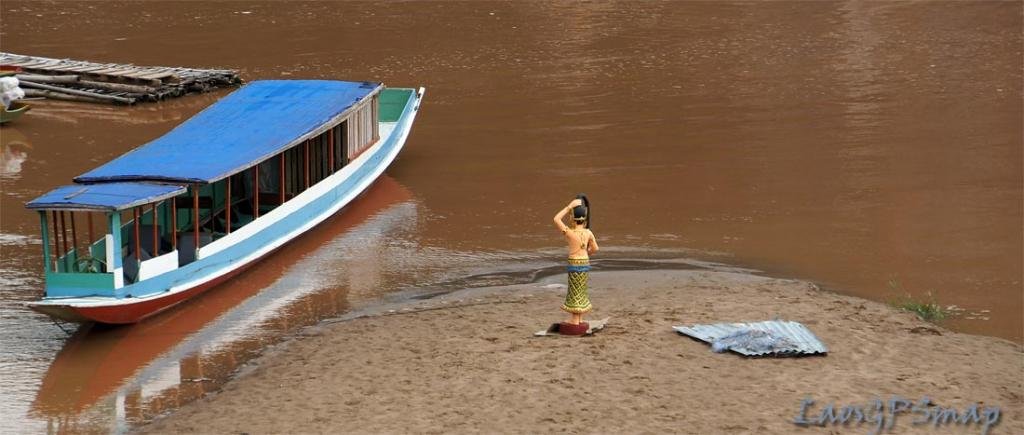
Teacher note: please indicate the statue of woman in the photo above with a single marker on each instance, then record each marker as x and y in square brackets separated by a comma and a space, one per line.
[581, 245]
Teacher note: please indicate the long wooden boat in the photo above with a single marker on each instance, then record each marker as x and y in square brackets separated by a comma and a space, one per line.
[198, 205]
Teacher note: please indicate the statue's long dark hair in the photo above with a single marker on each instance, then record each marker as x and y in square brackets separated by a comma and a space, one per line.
[583, 210]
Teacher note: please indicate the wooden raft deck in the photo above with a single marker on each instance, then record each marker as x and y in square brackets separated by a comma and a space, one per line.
[109, 82]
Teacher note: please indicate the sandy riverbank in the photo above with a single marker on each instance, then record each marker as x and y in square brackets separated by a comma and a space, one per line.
[469, 363]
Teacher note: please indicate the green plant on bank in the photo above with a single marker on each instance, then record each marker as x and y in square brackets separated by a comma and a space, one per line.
[928, 310]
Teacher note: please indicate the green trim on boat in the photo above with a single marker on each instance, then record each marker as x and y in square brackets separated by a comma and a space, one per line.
[96, 281]
[66, 262]
[16, 110]
[392, 103]
[98, 250]
[46, 242]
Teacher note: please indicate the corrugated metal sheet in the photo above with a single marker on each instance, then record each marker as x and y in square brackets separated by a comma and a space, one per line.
[106, 196]
[249, 125]
[803, 341]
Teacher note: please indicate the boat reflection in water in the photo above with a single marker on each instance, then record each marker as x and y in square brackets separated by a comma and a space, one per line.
[108, 378]
[14, 148]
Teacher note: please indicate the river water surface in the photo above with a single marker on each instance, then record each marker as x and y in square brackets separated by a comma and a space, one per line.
[874, 148]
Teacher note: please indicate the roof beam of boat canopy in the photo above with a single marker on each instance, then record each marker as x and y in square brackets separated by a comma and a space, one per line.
[104, 197]
[249, 126]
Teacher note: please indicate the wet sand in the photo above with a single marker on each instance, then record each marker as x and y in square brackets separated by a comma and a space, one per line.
[467, 362]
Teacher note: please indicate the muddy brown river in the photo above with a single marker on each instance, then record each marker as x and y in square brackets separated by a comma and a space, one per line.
[873, 148]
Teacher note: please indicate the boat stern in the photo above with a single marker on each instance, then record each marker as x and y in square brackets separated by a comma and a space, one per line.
[65, 312]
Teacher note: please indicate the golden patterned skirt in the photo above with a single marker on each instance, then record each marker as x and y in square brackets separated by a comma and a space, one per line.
[577, 301]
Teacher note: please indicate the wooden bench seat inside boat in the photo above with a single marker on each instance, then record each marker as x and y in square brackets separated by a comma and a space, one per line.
[187, 246]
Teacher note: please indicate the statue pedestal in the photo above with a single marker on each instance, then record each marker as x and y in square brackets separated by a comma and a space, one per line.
[570, 329]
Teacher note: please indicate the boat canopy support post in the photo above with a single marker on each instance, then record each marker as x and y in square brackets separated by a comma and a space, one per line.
[174, 224]
[56, 239]
[227, 211]
[114, 247]
[256, 191]
[74, 233]
[138, 243]
[330, 154]
[375, 117]
[46, 242]
[281, 182]
[92, 236]
[64, 236]
[195, 218]
[156, 232]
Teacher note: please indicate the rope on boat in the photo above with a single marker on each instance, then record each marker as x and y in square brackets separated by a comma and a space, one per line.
[61, 326]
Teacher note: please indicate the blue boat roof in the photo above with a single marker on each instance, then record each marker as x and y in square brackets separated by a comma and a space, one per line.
[104, 196]
[248, 126]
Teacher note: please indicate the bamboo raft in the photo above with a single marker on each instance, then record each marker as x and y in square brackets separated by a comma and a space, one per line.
[74, 80]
